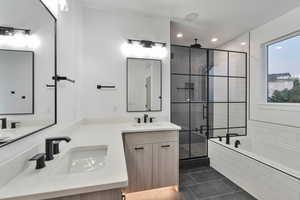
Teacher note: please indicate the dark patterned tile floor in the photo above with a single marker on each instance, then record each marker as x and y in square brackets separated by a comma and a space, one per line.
[205, 183]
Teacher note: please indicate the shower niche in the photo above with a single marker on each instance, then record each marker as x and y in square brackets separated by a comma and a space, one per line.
[208, 96]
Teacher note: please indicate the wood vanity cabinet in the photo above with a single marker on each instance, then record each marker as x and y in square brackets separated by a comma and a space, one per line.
[152, 160]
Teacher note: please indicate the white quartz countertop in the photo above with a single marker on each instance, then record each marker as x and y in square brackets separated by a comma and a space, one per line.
[49, 182]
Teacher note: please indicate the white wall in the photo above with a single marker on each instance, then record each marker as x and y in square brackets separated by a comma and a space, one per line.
[287, 114]
[278, 123]
[69, 61]
[104, 63]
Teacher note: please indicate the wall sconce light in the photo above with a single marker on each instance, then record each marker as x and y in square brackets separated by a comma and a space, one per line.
[13, 31]
[16, 37]
[144, 48]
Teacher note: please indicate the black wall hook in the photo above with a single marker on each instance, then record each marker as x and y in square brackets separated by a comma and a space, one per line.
[62, 78]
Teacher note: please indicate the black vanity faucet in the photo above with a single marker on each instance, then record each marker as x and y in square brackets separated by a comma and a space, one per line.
[40, 160]
[3, 123]
[49, 146]
[228, 137]
[145, 118]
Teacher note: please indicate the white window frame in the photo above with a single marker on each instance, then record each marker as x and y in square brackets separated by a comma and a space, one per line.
[266, 60]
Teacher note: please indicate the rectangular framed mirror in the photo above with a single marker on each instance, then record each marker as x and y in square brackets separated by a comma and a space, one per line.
[28, 63]
[16, 82]
[144, 85]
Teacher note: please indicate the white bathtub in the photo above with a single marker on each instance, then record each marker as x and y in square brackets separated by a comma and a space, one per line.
[266, 171]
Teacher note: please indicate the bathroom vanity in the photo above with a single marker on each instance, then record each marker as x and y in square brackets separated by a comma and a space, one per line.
[121, 157]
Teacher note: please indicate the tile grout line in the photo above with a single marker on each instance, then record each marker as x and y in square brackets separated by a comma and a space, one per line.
[218, 195]
[199, 183]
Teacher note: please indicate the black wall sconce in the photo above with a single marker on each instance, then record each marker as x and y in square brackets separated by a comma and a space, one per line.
[12, 31]
[147, 43]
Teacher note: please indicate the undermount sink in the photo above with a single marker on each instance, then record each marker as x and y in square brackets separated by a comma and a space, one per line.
[85, 159]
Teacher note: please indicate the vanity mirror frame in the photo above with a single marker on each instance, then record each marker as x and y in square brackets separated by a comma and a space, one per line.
[127, 85]
[33, 65]
[53, 17]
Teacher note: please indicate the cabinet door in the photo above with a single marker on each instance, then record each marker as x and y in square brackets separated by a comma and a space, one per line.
[139, 164]
[166, 164]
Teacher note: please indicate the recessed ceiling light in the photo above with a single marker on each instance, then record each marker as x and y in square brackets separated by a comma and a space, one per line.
[191, 17]
[179, 35]
[214, 39]
[244, 43]
[279, 47]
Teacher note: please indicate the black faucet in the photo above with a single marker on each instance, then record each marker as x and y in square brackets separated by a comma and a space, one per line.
[14, 125]
[3, 123]
[145, 118]
[49, 146]
[40, 160]
[237, 143]
[151, 119]
[228, 137]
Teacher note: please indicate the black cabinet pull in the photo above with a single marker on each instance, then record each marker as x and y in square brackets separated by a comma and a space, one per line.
[165, 146]
[139, 148]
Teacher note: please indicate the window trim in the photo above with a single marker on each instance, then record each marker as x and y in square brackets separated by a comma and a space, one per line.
[266, 63]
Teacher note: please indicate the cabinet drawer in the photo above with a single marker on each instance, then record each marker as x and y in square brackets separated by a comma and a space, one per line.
[151, 137]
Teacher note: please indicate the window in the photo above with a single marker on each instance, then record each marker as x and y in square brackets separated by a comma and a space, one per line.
[284, 71]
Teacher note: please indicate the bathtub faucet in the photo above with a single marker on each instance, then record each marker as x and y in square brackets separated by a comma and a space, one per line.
[228, 137]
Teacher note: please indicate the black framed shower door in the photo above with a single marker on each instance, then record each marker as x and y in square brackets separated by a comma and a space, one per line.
[208, 98]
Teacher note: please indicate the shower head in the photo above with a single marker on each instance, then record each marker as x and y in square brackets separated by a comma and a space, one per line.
[196, 45]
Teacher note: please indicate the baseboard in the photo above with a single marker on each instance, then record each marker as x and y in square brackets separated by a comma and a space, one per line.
[194, 163]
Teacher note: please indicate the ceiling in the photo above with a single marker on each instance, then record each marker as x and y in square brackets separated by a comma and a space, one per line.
[204, 19]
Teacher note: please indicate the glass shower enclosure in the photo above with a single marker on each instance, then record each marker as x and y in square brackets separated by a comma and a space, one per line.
[208, 96]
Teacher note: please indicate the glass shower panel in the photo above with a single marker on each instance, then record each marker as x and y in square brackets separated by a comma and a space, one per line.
[213, 133]
[181, 87]
[199, 116]
[208, 96]
[180, 60]
[198, 61]
[180, 115]
[199, 91]
[237, 115]
[240, 131]
[218, 89]
[237, 63]
[237, 90]
[219, 115]
[219, 66]
[184, 144]
[198, 144]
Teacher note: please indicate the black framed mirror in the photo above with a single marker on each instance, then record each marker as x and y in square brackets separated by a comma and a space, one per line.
[16, 82]
[144, 85]
[28, 61]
